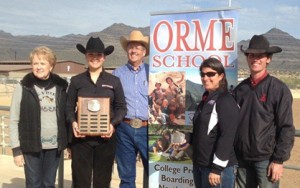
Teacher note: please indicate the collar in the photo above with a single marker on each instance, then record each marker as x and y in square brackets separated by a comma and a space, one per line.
[103, 74]
[257, 81]
[29, 80]
[207, 96]
[204, 96]
[131, 68]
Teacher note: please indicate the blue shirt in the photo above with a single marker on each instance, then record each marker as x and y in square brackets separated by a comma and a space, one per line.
[135, 86]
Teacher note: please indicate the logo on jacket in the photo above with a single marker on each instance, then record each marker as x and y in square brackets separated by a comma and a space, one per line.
[263, 98]
[211, 102]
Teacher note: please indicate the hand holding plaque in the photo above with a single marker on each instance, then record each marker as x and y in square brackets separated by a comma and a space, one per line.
[93, 116]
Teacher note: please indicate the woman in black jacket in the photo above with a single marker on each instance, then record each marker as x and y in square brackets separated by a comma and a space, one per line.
[38, 130]
[93, 155]
[214, 126]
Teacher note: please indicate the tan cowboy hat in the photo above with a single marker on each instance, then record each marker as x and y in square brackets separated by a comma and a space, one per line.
[135, 36]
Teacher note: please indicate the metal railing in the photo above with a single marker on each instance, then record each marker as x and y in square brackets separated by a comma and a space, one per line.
[4, 126]
[294, 167]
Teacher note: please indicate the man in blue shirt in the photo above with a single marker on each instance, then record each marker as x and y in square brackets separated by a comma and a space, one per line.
[132, 132]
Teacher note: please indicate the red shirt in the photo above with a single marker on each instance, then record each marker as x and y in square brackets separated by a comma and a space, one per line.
[255, 82]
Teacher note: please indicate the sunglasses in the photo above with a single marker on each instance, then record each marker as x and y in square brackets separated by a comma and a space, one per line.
[208, 74]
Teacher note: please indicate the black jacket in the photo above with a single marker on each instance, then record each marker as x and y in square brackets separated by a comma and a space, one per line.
[107, 85]
[214, 126]
[30, 115]
[266, 130]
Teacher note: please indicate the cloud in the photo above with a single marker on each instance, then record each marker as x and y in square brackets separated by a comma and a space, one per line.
[292, 13]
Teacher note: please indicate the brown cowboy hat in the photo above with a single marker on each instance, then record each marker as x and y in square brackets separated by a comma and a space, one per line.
[95, 45]
[157, 83]
[260, 44]
[135, 36]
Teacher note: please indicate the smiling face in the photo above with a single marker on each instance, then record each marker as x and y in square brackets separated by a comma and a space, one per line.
[95, 60]
[42, 60]
[135, 53]
[258, 63]
[210, 79]
[41, 67]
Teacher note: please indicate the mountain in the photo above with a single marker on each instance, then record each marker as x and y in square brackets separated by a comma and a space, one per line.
[192, 95]
[18, 47]
[287, 60]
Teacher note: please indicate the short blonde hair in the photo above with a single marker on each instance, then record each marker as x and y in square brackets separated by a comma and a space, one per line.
[45, 52]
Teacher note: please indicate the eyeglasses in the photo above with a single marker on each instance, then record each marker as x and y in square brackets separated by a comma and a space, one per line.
[208, 74]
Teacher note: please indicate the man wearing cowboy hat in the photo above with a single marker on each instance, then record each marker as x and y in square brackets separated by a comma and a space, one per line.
[132, 132]
[265, 136]
[93, 156]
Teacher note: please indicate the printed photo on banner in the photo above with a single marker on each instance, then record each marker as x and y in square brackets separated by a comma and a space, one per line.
[170, 146]
[167, 99]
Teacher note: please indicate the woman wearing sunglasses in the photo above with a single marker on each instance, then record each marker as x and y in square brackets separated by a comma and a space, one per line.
[214, 126]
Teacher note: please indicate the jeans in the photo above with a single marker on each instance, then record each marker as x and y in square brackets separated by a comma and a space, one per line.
[92, 162]
[252, 174]
[201, 177]
[40, 168]
[130, 141]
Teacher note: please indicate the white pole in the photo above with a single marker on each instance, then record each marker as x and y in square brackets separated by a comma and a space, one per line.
[229, 3]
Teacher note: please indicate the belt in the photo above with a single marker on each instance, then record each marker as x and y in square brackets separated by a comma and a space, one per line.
[136, 123]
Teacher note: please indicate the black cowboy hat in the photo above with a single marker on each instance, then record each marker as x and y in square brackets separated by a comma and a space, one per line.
[260, 44]
[95, 45]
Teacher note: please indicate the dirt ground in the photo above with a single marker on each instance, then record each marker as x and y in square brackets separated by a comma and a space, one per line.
[291, 178]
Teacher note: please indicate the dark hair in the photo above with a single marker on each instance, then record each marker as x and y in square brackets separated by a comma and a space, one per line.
[169, 78]
[166, 133]
[216, 65]
[166, 143]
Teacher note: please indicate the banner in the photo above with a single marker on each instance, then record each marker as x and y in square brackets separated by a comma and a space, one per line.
[179, 42]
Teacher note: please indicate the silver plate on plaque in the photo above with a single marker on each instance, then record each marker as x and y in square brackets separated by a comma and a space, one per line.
[93, 116]
[94, 105]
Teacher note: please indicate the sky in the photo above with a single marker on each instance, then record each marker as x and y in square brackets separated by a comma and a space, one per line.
[57, 18]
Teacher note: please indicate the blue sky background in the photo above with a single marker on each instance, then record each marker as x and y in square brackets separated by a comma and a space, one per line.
[62, 17]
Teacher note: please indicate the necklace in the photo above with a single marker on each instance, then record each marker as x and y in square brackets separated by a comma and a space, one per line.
[42, 86]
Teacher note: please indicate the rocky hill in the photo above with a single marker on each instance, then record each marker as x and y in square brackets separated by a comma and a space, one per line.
[18, 47]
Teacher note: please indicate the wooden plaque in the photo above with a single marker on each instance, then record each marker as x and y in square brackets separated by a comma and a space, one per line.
[93, 116]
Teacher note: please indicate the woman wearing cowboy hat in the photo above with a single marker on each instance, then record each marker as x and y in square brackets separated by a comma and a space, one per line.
[132, 132]
[93, 156]
[265, 136]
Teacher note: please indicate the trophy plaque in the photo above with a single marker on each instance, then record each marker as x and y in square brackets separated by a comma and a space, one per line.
[93, 116]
